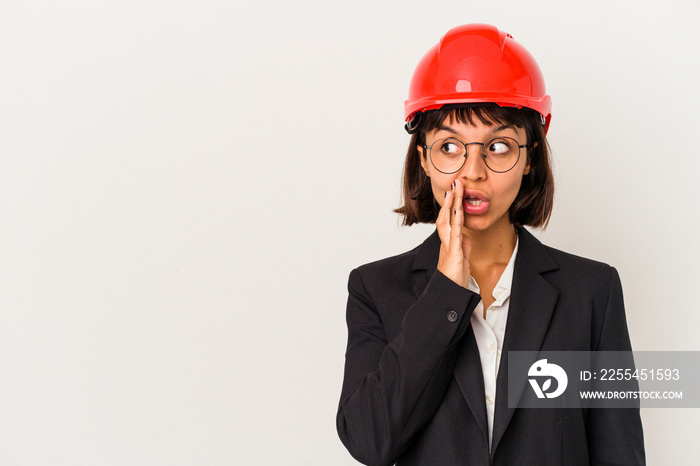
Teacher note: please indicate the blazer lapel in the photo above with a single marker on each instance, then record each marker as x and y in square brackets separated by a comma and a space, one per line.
[470, 379]
[532, 302]
[467, 372]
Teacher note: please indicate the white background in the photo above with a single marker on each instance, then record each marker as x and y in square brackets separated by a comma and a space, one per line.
[185, 186]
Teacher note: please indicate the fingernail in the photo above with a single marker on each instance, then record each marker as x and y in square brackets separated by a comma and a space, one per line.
[445, 193]
[452, 185]
[455, 211]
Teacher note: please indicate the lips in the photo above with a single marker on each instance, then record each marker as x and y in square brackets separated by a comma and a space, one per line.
[475, 203]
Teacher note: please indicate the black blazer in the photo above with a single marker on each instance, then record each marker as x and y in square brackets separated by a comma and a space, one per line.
[413, 392]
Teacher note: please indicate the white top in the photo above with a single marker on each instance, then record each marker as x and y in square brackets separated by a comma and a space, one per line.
[489, 333]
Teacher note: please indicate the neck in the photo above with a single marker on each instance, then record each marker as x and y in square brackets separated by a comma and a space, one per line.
[494, 245]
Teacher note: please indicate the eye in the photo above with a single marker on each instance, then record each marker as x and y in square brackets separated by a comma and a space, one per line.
[500, 146]
[450, 148]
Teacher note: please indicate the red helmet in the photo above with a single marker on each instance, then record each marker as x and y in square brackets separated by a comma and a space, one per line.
[477, 63]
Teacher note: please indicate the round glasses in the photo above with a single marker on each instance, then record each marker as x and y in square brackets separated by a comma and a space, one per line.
[500, 154]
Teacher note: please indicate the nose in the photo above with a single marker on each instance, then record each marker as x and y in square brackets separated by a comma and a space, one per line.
[474, 168]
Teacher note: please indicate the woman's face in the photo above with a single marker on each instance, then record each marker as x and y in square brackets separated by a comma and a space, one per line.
[487, 195]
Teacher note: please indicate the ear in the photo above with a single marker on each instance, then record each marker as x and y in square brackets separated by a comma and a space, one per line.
[423, 161]
[527, 164]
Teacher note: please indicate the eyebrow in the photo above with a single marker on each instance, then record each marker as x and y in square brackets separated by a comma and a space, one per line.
[497, 129]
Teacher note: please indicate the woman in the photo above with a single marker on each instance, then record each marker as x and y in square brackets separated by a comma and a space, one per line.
[425, 381]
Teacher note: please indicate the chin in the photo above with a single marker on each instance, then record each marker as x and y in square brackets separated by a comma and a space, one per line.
[485, 222]
[477, 224]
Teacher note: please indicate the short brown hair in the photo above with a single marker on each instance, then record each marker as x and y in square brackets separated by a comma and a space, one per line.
[533, 204]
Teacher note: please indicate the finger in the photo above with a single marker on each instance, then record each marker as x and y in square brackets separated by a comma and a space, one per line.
[456, 231]
[457, 214]
[466, 247]
[457, 199]
[443, 220]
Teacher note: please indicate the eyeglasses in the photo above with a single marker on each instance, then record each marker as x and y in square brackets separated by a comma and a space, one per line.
[500, 154]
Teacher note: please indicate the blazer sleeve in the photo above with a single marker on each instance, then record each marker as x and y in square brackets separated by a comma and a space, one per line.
[615, 434]
[391, 389]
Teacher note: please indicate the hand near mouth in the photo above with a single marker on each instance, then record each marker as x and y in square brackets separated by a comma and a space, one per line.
[456, 246]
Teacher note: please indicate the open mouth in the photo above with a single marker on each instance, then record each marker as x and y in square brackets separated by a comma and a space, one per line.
[475, 203]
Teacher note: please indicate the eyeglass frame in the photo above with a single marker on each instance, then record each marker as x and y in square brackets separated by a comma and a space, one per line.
[466, 152]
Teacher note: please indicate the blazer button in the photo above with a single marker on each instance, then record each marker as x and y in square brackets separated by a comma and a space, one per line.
[452, 316]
